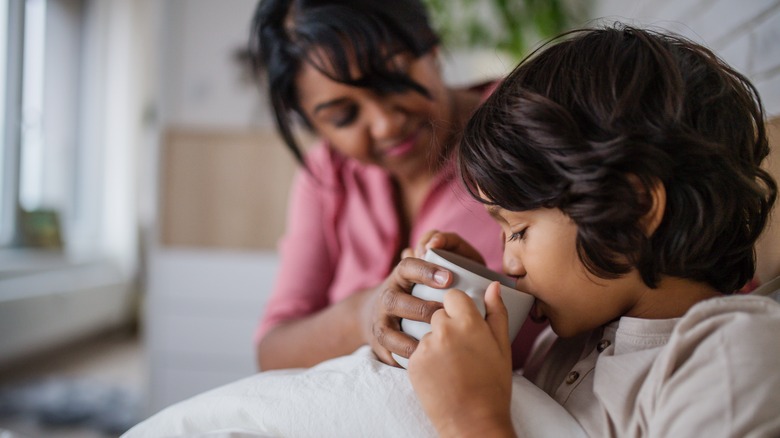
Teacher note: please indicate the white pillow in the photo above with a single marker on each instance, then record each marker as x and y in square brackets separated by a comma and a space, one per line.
[350, 396]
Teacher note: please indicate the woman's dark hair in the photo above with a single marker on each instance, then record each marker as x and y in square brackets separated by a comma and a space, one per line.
[328, 34]
[590, 124]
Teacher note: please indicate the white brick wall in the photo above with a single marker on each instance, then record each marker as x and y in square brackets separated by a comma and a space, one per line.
[766, 45]
[744, 33]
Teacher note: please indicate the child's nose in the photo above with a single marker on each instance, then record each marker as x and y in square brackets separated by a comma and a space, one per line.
[513, 266]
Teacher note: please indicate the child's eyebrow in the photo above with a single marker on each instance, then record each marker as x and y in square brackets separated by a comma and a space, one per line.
[494, 210]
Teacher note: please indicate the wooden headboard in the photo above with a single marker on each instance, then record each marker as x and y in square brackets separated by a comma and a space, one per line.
[223, 189]
[768, 249]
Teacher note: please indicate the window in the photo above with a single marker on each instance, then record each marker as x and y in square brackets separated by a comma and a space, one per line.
[9, 57]
[67, 149]
[32, 146]
[22, 67]
[70, 121]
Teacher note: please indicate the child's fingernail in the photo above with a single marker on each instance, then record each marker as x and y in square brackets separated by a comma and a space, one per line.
[441, 277]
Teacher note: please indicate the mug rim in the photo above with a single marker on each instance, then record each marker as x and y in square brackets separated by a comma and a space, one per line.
[505, 280]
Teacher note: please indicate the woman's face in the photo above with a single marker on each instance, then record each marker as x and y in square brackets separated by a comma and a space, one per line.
[399, 132]
[540, 250]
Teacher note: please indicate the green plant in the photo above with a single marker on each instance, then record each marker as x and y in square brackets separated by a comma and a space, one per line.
[513, 26]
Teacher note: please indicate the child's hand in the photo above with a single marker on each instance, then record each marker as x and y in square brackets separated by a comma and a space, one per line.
[447, 241]
[462, 370]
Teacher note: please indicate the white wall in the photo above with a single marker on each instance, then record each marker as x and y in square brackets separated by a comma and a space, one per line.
[201, 314]
[203, 84]
[746, 34]
[202, 305]
[204, 87]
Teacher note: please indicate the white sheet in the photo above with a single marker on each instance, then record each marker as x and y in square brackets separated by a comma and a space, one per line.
[351, 396]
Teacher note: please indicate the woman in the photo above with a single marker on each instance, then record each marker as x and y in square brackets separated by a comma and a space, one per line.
[364, 76]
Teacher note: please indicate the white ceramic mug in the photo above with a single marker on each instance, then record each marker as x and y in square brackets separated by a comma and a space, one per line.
[473, 279]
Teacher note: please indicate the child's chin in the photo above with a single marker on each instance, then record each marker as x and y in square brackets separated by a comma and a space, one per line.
[564, 332]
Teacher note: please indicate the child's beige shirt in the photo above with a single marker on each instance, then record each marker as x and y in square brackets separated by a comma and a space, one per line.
[715, 372]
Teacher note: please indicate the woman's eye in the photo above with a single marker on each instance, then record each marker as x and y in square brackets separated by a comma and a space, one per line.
[345, 117]
[520, 235]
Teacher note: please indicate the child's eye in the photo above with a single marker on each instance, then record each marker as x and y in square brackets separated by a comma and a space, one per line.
[520, 235]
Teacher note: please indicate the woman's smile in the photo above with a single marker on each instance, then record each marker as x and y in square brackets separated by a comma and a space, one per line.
[402, 148]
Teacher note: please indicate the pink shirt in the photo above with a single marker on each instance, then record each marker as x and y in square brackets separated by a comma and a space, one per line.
[343, 233]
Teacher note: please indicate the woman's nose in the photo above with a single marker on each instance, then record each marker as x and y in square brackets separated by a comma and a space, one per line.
[386, 121]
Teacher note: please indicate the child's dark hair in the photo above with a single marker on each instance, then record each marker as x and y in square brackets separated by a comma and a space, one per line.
[589, 124]
[328, 34]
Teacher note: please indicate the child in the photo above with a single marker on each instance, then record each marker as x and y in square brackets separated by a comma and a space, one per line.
[623, 167]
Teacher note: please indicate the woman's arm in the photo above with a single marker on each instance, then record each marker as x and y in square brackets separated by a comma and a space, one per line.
[306, 341]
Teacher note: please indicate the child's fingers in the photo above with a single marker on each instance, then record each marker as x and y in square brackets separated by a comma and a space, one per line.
[438, 318]
[459, 305]
[496, 315]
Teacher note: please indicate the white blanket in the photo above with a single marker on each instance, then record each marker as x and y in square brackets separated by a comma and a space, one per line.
[351, 396]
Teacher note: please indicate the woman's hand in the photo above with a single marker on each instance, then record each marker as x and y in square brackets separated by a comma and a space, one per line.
[447, 241]
[385, 306]
[391, 301]
[462, 370]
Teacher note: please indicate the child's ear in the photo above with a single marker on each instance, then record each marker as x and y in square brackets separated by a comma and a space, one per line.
[652, 219]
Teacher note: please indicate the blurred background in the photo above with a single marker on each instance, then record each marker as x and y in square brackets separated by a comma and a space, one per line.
[143, 188]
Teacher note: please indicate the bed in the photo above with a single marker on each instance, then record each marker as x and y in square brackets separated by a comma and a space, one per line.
[350, 396]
